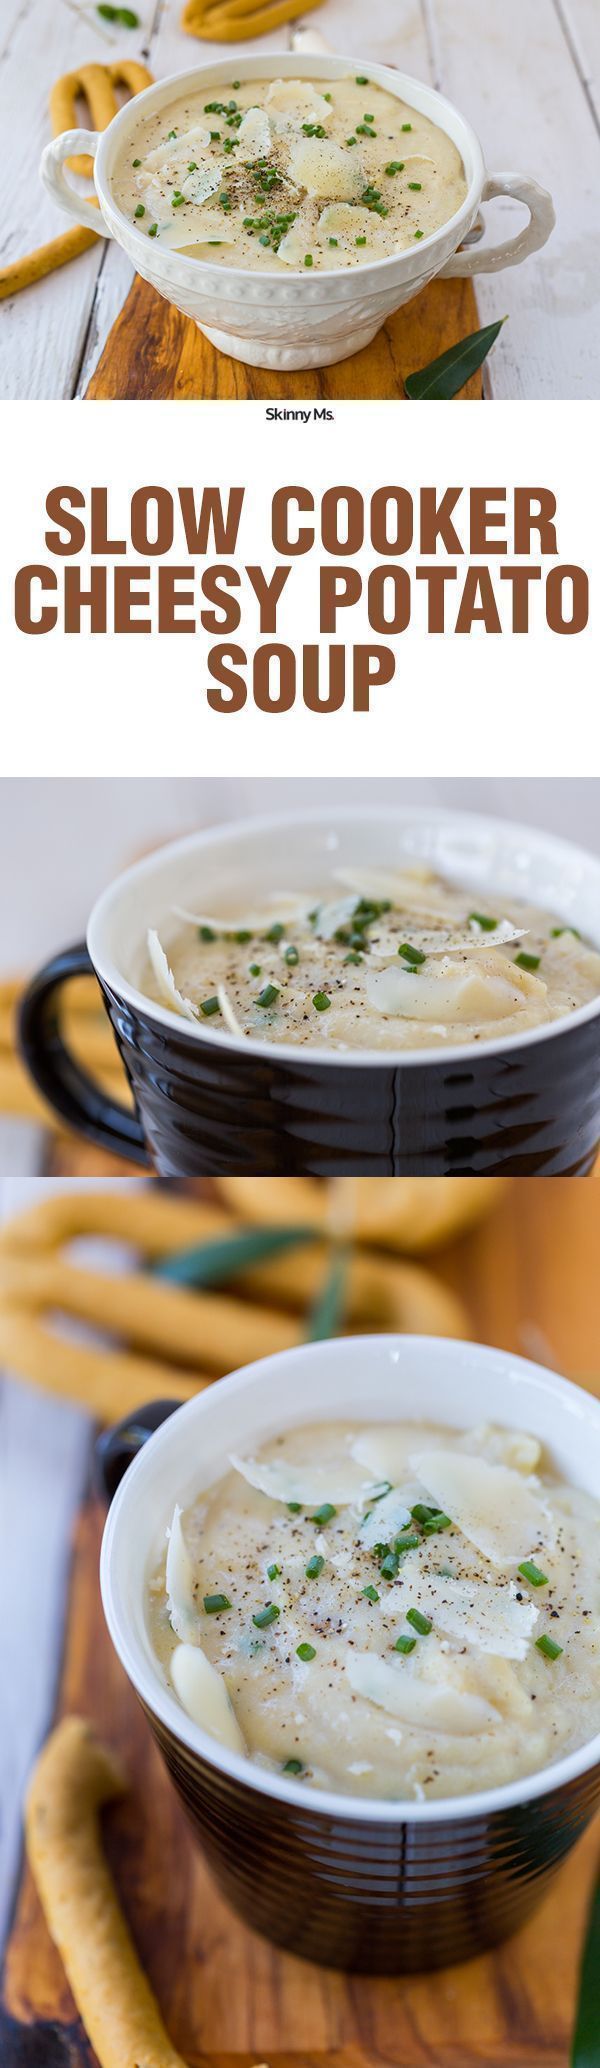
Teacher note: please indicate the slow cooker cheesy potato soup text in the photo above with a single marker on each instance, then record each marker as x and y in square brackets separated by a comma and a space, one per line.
[392, 962]
[399, 1611]
[289, 173]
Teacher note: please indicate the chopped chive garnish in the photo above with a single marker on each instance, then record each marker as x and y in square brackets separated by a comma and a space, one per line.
[351, 139]
[255, 969]
[531, 1572]
[402, 1544]
[524, 961]
[360, 81]
[435, 1523]
[360, 240]
[308, 258]
[293, 1507]
[370, 1594]
[273, 1572]
[325, 1513]
[353, 957]
[418, 235]
[291, 956]
[389, 1566]
[332, 240]
[293, 1766]
[405, 1644]
[547, 1646]
[276, 932]
[419, 1622]
[421, 1513]
[153, 231]
[482, 919]
[314, 1567]
[556, 931]
[136, 161]
[414, 956]
[321, 1002]
[305, 1652]
[208, 1006]
[395, 165]
[206, 933]
[383, 1486]
[172, 135]
[405, 128]
[215, 1603]
[140, 210]
[415, 187]
[268, 996]
[266, 1616]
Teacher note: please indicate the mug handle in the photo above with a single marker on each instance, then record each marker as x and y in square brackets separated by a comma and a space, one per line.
[72, 144]
[117, 1447]
[542, 217]
[64, 1082]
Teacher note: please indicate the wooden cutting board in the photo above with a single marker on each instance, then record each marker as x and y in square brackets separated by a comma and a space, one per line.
[529, 1275]
[154, 354]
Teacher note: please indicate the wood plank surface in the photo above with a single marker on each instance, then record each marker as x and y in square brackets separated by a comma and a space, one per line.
[526, 74]
[529, 1275]
[153, 353]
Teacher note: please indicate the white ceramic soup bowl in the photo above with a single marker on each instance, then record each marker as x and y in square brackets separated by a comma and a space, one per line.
[286, 319]
[379, 1885]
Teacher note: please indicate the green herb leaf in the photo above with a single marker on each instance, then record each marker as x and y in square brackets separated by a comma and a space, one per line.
[327, 1313]
[214, 1262]
[585, 2051]
[447, 375]
[525, 961]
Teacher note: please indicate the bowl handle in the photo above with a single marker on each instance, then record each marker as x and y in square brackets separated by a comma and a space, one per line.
[117, 1447]
[72, 144]
[59, 1076]
[542, 218]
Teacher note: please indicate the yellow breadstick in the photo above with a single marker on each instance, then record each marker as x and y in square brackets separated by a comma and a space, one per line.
[410, 1214]
[74, 1777]
[20, 1097]
[382, 1292]
[108, 1383]
[211, 1328]
[23, 272]
[95, 85]
[231, 23]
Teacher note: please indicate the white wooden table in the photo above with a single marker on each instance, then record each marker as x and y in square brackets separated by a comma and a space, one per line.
[525, 72]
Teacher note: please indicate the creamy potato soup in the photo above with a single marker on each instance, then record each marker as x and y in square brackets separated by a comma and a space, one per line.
[399, 1610]
[280, 173]
[377, 961]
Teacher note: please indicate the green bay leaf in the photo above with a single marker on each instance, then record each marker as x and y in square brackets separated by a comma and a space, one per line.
[445, 377]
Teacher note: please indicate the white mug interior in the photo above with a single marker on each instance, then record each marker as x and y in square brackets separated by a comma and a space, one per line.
[369, 1378]
[223, 870]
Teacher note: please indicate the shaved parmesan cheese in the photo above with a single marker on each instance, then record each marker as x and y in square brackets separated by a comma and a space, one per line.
[385, 1519]
[179, 1580]
[297, 241]
[203, 1694]
[492, 1619]
[254, 133]
[229, 1016]
[417, 888]
[418, 167]
[165, 980]
[283, 906]
[203, 181]
[494, 1507]
[325, 169]
[493, 989]
[284, 1480]
[177, 151]
[345, 223]
[385, 1451]
[450, 942]
[293, 101]
[330, 917]
[423, 1705]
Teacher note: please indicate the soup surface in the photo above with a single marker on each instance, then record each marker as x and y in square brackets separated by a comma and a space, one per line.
[280, 173]
[400, 1611]
[393, 962]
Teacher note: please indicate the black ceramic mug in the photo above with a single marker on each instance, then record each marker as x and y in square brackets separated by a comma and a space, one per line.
[358, 1883]
[208, 1103]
